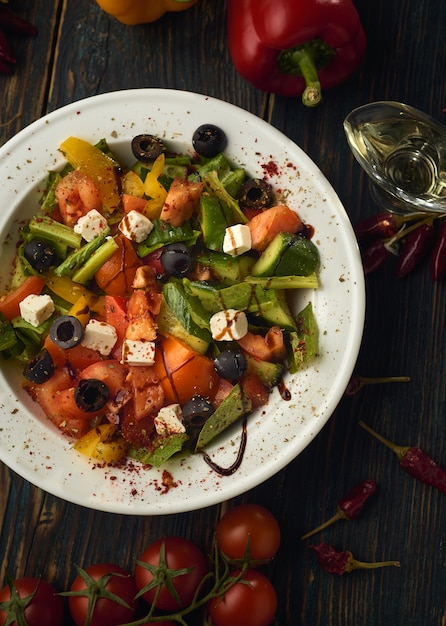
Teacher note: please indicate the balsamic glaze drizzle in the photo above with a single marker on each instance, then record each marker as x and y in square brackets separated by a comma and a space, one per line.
[227, 471]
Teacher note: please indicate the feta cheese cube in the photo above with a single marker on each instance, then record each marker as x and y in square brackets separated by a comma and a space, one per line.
[90, 225]
[237, 239]
[36, 309]
[135, 226]
[228, 325]
[169, 421]
[137, 352]
[99, 336]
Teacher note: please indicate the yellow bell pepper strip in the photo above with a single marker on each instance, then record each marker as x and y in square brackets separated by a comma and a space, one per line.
[154, 190]
[133, 12]
[81, 310]
[101, 443]
[132, 184]
[101, 168]
[66, 289]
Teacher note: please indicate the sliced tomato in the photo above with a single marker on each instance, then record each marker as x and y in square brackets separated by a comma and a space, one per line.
[111, 372]
[141, 323]
[176, 353]
[76, 195]
[180, 201]
[9, 304]
[269, 223]
[165, 382]
[116, 315]
[137, 432]
[224, 389]
[153, 260]
[255, 389]
[148, 394]
[251, 212]
[270, 347]
[189, 373]
[77, 358]
[56, 398]
[197, 377]
[116, 275]
[132, 203]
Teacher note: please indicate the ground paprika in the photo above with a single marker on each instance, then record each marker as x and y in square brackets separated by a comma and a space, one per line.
[133, 12]
[293, 47]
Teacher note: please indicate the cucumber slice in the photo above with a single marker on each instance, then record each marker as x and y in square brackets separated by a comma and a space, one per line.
[270, 257]
[269, 373]
[168, 324]
[234, 406]
[287, 255]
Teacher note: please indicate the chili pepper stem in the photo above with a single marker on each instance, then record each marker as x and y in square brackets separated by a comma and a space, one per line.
[354, 564]
[400, 451]
[337, 516]
[385, 379]
[364, 380]
[403, 231]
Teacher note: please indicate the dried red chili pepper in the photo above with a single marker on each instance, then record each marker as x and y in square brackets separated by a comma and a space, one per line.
[7, 54]
[438, 254]
[342, 562]
[416, 246]
[358, 382]
[381, 225]
[350, 506]
[374, 256]
[414, 462]
[10, 21]
[14, 23]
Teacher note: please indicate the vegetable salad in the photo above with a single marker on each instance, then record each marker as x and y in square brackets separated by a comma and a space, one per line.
[148, 305]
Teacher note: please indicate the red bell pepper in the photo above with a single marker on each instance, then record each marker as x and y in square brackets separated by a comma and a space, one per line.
[293, 47]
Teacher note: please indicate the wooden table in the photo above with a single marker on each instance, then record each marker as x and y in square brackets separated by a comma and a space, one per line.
[80, 52]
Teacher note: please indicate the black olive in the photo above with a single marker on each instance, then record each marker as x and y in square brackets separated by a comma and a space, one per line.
[147, 147]
[255, 193]
[176, 259]
[66, 331]
[91, 395]
[40, 368]
[196, 411]
[40, 254]
[231, 364]
[209, 140]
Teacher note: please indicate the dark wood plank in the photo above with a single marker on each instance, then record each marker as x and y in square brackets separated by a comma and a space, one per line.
[81, 52]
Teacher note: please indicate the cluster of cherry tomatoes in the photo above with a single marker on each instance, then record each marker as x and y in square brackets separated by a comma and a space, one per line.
[173, 583]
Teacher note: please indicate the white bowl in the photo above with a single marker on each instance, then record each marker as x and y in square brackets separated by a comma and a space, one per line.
[33, 448]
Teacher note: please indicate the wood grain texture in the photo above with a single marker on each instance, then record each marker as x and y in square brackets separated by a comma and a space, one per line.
[80, 52]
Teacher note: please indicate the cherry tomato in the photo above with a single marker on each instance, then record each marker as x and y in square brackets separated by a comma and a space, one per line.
[168, 556]
[248, 521]
[107, 611]
[45, 608]
[252, 602]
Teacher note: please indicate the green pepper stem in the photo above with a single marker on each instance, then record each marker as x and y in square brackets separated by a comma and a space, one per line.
[337, 516]
[312, 94]
[354, 564]
[400, 451]
[305, 60]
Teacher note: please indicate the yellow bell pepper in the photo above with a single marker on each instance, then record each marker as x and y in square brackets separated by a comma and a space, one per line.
[133, 12]
[98, 166]
[81, 310]
[154, 190]
[69, 291]
[132, 184]
[100, 443]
